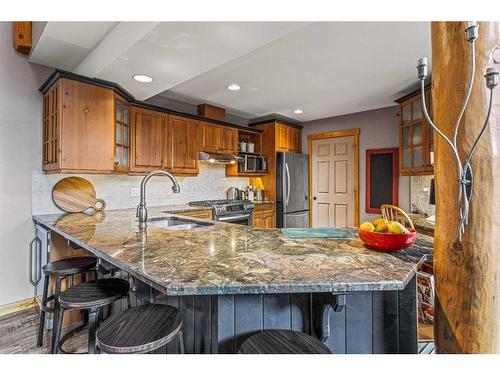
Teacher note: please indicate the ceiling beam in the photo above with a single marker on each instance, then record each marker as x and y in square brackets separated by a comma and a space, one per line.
[115, 44]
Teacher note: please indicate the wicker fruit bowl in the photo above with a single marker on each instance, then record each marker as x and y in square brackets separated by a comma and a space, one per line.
[388, 241]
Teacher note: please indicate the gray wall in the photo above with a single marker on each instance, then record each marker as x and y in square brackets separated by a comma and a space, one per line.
[20, 150]
[378, 129]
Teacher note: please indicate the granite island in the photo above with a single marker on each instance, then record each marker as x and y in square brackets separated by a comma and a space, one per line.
[231, 281]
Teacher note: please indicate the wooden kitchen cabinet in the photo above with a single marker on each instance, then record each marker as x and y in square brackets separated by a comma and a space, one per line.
[295, 140]
[276, 137]
[219, 139]
[282, 137]
[263, 216]
[288, 138]
[51, 129]
[94, 126]
[78, 128]
[148, 132]
[416, 139]
[201, 214]
[182, 145]
[122, 134]
[229, 142]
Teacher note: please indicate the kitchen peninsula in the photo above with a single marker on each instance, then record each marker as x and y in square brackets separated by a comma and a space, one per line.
[231, 281]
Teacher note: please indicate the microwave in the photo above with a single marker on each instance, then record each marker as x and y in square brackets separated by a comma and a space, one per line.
[251, 163]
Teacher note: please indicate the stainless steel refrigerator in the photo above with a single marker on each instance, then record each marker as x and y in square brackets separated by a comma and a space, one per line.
[292, 190]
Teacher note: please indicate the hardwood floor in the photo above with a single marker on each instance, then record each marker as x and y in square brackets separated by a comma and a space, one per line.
[18, 333]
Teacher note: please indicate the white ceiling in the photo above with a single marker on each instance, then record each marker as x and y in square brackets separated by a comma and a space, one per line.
[326, 69]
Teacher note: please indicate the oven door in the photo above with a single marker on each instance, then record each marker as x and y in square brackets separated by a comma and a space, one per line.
[244, 219]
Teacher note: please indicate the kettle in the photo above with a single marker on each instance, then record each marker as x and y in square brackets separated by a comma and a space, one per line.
[250, 193]
[234, 193]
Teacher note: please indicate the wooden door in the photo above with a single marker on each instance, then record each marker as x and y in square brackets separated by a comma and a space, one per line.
[282, 138]
[182, 145]
[87, 120]
[147, 140]
[229, 140]
[333, 182]
[211, 137]
[51, 129]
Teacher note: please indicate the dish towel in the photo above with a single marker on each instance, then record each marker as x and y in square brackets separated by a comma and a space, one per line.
[303, 233]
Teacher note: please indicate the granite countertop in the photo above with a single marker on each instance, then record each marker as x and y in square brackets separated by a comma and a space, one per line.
[231, 259]
[262, 202]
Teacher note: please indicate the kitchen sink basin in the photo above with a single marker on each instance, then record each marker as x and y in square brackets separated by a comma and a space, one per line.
[175, 223]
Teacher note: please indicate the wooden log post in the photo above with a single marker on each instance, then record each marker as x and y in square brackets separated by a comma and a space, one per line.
[467, 280]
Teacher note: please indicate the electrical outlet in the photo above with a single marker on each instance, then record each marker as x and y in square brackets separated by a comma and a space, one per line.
[426, 190]
[135, 192]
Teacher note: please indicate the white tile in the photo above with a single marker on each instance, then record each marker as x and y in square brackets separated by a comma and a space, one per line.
[211, 183]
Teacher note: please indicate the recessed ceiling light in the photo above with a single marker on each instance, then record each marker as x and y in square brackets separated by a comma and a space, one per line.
[233, 87]
[298, 111]
[143, 78]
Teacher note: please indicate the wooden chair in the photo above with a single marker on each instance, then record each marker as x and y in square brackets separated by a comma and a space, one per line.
[394, 213]
[283, 341]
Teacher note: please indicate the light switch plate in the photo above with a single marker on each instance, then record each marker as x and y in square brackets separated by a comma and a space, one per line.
[135, 192]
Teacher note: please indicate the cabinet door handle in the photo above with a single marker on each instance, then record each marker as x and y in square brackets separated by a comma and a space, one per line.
[314, 198]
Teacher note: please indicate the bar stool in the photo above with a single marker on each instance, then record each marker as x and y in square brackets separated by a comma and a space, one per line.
[60, 269]
[140, 330]
[283, 341]
[91, 296]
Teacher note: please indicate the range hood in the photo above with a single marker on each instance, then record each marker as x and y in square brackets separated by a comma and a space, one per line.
[214, 157]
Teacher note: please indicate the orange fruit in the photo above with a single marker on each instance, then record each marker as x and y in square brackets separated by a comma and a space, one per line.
[379, 220]
[367, 227]
[383, 226]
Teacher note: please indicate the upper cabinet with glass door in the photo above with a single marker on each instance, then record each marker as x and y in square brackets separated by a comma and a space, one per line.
[122, 134]
[416, 145]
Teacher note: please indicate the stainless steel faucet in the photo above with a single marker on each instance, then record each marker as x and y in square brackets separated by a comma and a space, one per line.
[142, 211]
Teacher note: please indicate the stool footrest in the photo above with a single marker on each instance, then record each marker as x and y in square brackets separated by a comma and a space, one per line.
[71, 333]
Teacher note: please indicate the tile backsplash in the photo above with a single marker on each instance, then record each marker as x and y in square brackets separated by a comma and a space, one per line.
[116, 190]
[419, 193]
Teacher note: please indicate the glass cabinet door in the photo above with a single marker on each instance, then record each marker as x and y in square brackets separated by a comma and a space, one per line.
[416, 136]
[122, 134]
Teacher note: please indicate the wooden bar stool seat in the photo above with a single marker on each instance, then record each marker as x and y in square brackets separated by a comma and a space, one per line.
[69, 266]
[283, 342]
[92, 296]
[141, 329]
[60, 269]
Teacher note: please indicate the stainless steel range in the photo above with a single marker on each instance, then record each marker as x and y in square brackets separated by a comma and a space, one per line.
[229, 210]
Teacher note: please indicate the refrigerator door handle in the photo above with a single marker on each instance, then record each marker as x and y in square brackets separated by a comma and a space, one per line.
[287, 184]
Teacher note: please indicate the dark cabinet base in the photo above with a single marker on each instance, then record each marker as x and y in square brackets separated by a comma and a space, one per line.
[357, 322]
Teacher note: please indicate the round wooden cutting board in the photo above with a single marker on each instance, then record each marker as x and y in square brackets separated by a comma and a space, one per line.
[76, 194]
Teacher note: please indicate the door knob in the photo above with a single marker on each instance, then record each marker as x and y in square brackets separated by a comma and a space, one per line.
[305, 197]
[314, 198]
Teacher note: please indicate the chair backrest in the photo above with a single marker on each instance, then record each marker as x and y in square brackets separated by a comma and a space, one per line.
[394, 213]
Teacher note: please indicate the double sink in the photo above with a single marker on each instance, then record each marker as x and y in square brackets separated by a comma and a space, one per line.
[176, 223]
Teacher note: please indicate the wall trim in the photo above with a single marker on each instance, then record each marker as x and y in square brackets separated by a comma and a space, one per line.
[18, 306]
[337, 134]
